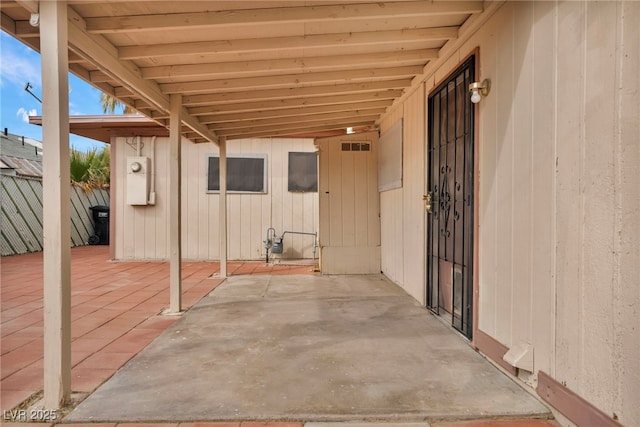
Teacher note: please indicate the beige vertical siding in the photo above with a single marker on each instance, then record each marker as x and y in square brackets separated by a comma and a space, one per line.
[559, 205]
[391, 208]
[625, 283]
[141, 231]
[413, 215]
[598, 260]
[403, 214]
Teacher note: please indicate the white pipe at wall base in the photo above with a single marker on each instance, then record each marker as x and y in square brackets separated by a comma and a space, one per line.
[152, 189]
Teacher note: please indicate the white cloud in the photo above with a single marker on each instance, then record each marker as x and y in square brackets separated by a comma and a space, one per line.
[25, 114]
[74, 110]
[19, 64]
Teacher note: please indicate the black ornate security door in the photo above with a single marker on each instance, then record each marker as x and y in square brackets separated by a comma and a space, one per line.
[449, 202]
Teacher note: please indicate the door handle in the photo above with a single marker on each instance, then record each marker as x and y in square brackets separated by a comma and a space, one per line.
[427, 202]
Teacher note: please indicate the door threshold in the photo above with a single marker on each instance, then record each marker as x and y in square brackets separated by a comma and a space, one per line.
[445, 319]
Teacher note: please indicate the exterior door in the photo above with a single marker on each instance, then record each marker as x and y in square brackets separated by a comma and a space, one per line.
[449, 201]
[349, 205]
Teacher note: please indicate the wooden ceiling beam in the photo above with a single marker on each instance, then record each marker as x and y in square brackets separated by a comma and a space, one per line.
[279, 44]
[97, 76]
[324, 117]
[32, 39]
[121, 91]
[295, 102]
[140, 103]
[470, 26]
[338, 122]
[296, 92]
[102, 54]
[30, 5]
[298, 129]
[278, 16]
[75, 59]
[25, 30]
[8, 24]
[299, 65]
[289, 112]
[290, 80]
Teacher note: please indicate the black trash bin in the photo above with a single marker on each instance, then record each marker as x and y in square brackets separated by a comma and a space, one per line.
[101, 225]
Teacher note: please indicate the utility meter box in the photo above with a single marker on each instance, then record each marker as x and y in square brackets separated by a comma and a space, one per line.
[277, 245]
[138, 179]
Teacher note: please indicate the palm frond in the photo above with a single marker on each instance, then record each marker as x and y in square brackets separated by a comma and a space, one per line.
[90, 169]
[111, 104]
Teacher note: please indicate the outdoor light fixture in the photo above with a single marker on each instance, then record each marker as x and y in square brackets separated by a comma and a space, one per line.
[34, 19]
[478, 90]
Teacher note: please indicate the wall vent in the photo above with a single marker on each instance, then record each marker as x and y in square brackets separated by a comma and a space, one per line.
[356, 146]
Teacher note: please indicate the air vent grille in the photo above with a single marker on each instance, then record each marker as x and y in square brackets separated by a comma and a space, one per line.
[356, 146]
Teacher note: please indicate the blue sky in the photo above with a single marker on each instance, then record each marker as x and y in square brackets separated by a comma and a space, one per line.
[20, 64]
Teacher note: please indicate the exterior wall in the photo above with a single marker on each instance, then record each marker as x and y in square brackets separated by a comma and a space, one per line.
[141, 231]
[559, 206]
[349, 206]
[402, 209]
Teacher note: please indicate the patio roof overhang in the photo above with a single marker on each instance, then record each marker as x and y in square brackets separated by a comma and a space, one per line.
[103, 128]
[254, 68]
[216, 71]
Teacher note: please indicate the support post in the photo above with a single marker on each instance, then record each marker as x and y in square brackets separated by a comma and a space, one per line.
[56, 201]
[175, 202]
[222, 143]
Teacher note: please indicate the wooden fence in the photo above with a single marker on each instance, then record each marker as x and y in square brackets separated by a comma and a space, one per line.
[21, 222]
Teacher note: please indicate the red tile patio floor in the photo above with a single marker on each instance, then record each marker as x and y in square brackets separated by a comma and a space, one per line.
[115, 314]
[488, 423]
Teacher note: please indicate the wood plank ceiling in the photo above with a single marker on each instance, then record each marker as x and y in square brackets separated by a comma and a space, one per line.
[254, 68]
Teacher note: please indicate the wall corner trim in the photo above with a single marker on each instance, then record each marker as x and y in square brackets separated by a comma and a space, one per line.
[493, 349]
[571, 405]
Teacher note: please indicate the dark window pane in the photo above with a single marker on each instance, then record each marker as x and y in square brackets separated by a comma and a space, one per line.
[303, 172]
[213, 174]
[244, 174]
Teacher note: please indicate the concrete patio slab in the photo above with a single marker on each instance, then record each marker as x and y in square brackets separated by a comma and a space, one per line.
[313, 348]
[114, 314]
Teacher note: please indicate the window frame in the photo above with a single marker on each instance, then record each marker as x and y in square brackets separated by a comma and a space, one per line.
[230, 158]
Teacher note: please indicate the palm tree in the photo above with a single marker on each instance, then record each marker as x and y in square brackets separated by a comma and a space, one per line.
[110, 104]
[90, 169]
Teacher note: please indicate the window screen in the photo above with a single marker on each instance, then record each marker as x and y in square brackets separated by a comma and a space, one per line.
[245, 174]
[303, 172]
[390, 159]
